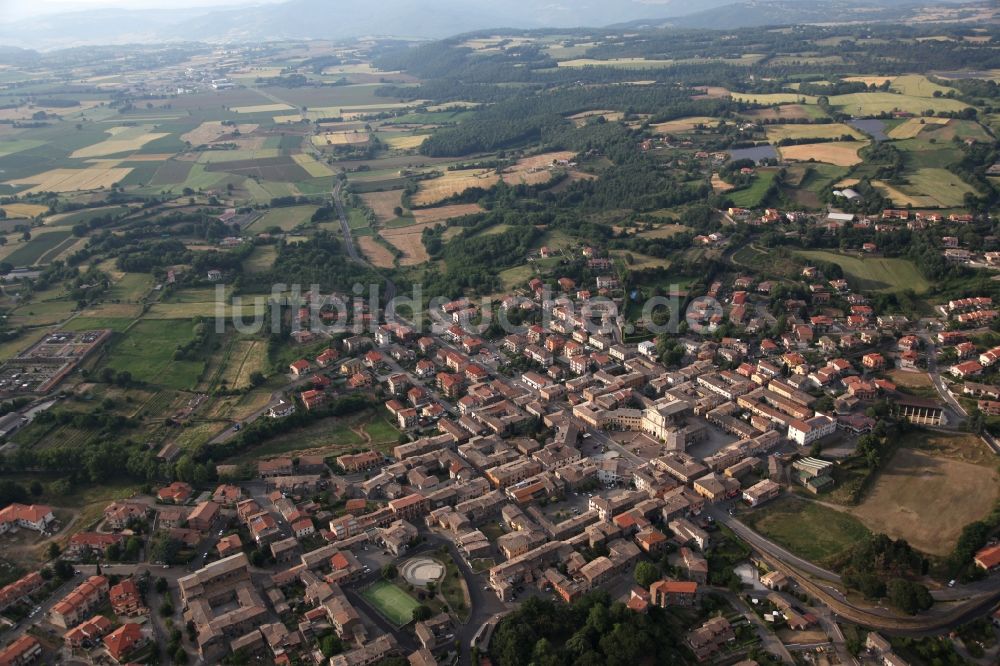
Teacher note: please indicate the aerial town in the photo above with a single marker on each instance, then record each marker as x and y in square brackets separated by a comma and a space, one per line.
[547, 463]
[344, 334]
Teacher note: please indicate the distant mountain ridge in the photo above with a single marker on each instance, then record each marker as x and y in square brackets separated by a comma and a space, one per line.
[424, 19]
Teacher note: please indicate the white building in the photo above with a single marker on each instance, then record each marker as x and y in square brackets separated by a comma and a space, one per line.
[804, 433]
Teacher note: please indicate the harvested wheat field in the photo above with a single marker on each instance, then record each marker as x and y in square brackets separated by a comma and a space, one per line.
[27, 111]
[404, 141]
[212, 130]
[533, 170]
[378, 255]
[580, 119]
[24, 209]
[313, 167]
[711, 92]
[902, 199]
[838, 153]
[719, 185]
[914, 126]
[684, 124]
[384, 204]
[341, 139]
[425, 216]
[119, 143]
[262, 108]
[408, 240]
[453, 182]
[72, 180]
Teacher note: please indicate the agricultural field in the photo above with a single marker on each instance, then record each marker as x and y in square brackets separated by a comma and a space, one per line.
[341, 138]
[408, 240]
[286, 218]
[684, 125]
[914, 126]
[928, 187]
[838, 153]
[400, 141]
[383, 204]
[312, 166]
[770, 99]
[528, 171]
[777, 133]
[874, 103]
[261, 260]
[753, 195]
[244, 358]
[874, 273]
[444, 213]
[95, 177]
[147, 351]
[23, 210]
[122, 140]
[784, 112]
[211, 131]
[375, 252]
[581, 119]
[261, 108]
[933, 486]
[35, 250]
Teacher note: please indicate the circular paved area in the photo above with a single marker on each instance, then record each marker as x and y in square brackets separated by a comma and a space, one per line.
[422, 570]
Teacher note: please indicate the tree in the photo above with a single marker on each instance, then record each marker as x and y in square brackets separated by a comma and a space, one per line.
[331, 645]
[421, 613]
[52, 550]
[646, 573]
[161, 585]
[36, 488]
[389, 571]
[908, 596]
[166, 608]
[63, 569]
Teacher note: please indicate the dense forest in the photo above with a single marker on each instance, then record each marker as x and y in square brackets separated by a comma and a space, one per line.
[589, 632]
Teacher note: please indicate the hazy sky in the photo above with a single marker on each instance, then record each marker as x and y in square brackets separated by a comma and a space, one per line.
[13, 9]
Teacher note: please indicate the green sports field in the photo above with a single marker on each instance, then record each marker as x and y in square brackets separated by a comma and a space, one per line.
[397, 606]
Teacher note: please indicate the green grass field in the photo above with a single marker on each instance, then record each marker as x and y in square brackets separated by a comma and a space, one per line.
[941, 185]
[870, 104]
[395, 604]
[261, 259]
[807, 529]
[147, 351]
[874, 273]
[753, 196]
[285, 219]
